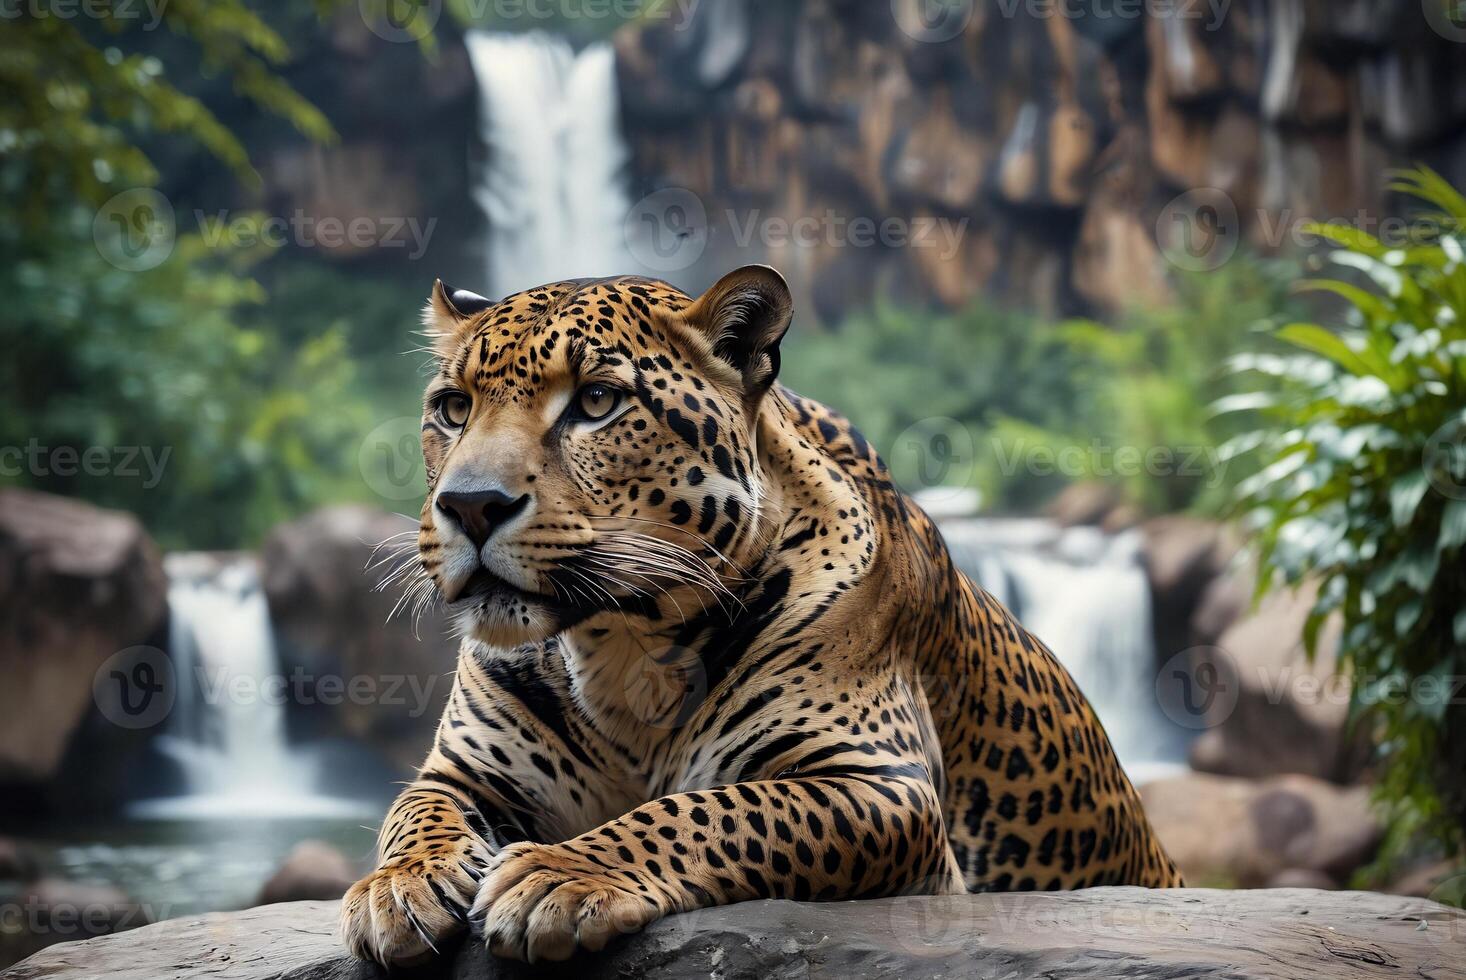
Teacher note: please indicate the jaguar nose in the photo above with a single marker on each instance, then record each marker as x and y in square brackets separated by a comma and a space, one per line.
[479, 513]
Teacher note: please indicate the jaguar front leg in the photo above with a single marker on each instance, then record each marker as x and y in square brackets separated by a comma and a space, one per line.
[430, 865]
[820, 838]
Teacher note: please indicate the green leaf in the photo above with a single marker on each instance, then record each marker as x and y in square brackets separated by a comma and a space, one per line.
[1325, 343]
[1407, 616]
[1346, 235]
[1426, 184]
[1435, 691]
[1405, 496]
[1245, 401]
[1453, 525]
[1419, 566]
[1367, 303]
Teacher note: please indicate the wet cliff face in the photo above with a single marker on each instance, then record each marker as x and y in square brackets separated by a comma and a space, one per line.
[1035, 149]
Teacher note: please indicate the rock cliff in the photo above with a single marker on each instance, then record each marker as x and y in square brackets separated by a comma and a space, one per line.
[1075, 145]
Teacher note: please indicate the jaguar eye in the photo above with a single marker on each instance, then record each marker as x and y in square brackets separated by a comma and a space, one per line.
[596, 401]
[453, 409]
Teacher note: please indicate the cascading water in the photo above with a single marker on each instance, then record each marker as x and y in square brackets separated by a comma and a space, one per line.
[553, 182]
[227, 727]
[1085, 595]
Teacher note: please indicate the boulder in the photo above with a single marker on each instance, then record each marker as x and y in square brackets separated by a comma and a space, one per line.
[17, 862]
[1182, 555]
[78, 584]
[1288, 714]
[373, 675]
[1228, 832]
[1301, 878]
[312, 871]
[1224, 600]
[50, 911]
[1083, 503]
[1099, 932]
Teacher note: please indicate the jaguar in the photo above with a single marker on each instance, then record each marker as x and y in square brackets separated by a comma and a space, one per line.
[711, 652]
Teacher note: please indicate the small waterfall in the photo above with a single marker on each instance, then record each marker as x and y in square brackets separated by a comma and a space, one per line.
[553, 184]
[227, 727]
[1085, 594]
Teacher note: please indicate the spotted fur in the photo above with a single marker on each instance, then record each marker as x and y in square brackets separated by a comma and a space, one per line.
[712, 653]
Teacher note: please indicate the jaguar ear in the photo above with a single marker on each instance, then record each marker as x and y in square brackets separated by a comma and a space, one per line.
[744, 316]
[448, 310]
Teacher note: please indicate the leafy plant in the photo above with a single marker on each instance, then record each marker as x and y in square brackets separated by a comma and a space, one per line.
[1362, 488]
[1018, 407]
[1146, 386]
[79, 91]
[178, 391]
[206, 424]
[925, 387]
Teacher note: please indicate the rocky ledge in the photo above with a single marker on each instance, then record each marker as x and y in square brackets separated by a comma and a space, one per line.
[1102, 932]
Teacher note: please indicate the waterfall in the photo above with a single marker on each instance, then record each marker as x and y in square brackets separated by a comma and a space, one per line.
[553, 183]
[227, 728]
[1085, 595]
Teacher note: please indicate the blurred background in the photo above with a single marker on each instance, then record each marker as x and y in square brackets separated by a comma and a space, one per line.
[1158, 305]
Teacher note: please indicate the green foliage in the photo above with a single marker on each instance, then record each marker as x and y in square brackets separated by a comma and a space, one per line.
[206, 426]
[941, 379]
[1147, 387]
[1022, 406]
[1363, 489]
[181, 391]
[79, 92]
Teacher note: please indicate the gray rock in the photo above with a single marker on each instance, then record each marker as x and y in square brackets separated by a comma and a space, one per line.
[51, 910]
[1101, 932]
[313, 871]
[1289, 713]
[1228, 832]
[1182, 556]
[17, 861]
[1302, 878]
[1086, 502]
[78, 584]
[336, 627]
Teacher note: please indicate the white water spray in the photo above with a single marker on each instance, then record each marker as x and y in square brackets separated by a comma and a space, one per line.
[553, 186]
[227, 729]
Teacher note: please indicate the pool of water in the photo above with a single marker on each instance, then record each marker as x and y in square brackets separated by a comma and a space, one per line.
[186, 866]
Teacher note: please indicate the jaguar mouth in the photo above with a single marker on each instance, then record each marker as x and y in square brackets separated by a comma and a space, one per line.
[485, 584]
